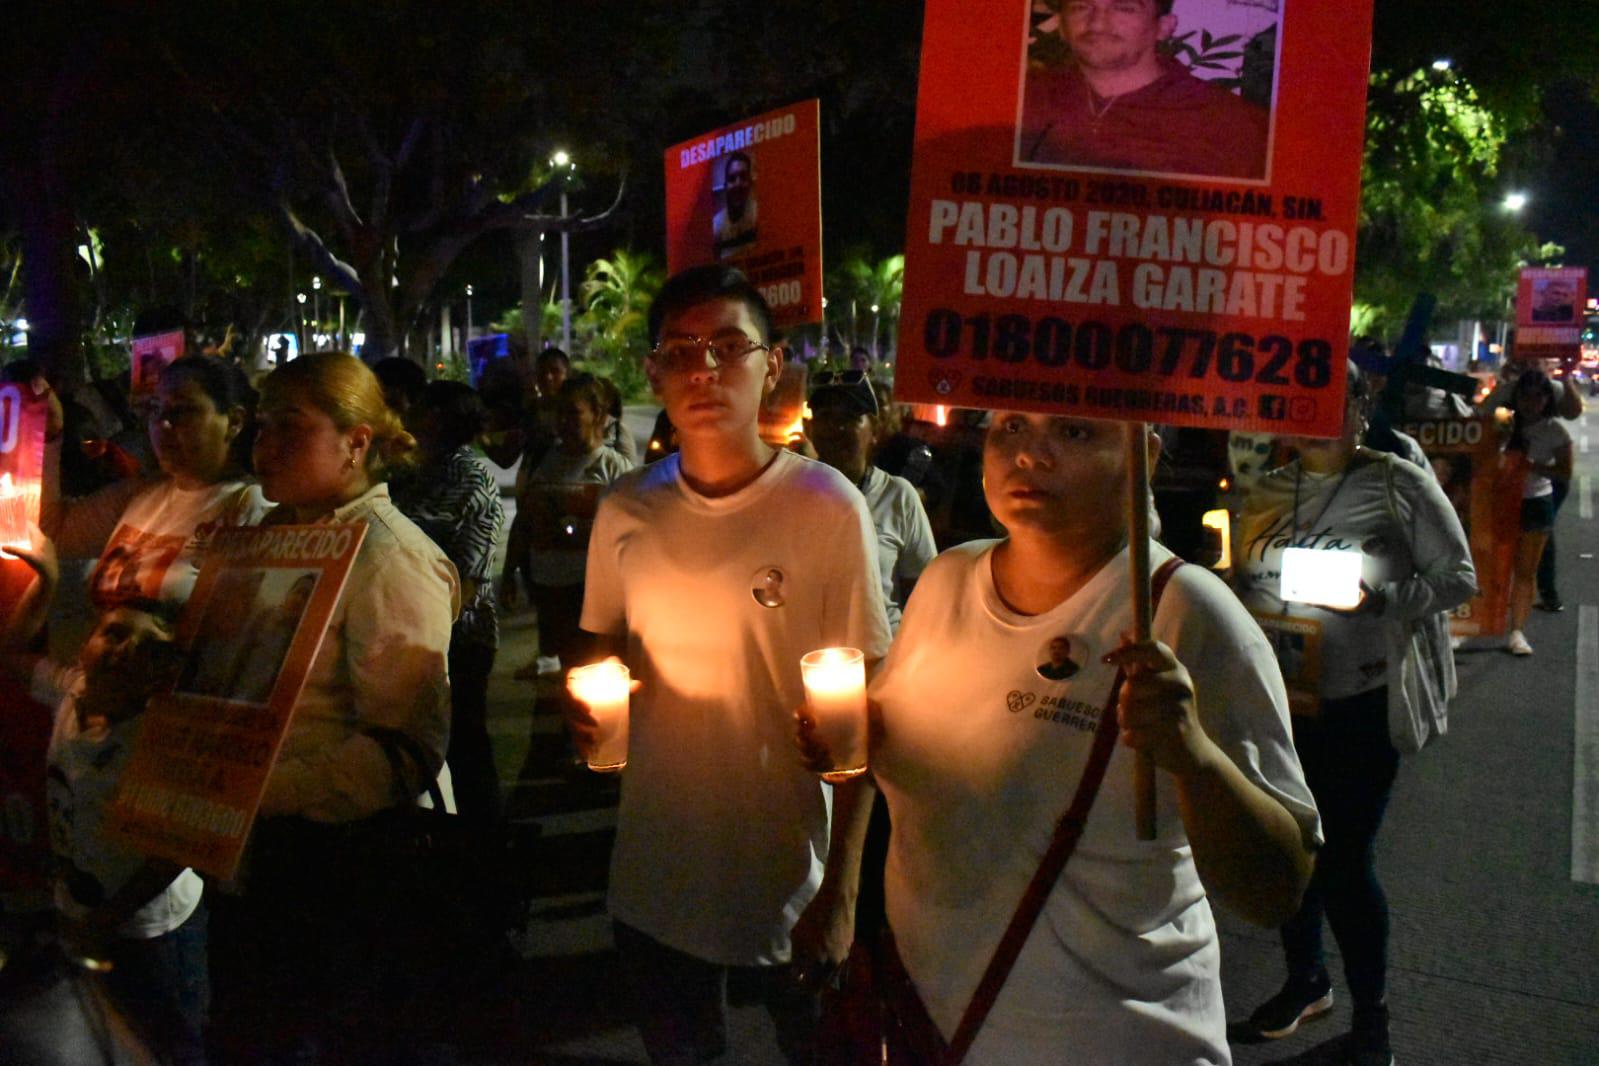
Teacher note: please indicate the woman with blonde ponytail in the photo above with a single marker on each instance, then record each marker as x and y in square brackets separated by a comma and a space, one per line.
[370, 728]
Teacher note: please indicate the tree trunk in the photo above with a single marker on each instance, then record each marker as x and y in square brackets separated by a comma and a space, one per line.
[50, 285]
[384, 336]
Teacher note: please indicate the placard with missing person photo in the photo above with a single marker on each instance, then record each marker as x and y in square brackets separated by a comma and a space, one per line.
[750, 195]
[249, 635]
[1141, 210]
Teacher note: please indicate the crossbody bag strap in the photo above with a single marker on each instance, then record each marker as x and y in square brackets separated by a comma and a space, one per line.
[1068, 832]
[397, 746]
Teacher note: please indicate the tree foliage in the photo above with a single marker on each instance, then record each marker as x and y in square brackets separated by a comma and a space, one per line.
[1431, 218]
[613, 329]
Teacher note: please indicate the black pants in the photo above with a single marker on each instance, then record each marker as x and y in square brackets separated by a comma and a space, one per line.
[1350, 765]
[163, 986]
[471, 755]
[680, 1002]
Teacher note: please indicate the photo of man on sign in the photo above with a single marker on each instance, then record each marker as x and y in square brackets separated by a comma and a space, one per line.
[1126, 95]
[734, 223]
[1554, 299]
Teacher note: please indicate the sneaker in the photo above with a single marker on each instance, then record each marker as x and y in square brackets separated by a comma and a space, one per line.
[1517, 644]
[1368, 1038]
[1280, 1015]
[1551, 604]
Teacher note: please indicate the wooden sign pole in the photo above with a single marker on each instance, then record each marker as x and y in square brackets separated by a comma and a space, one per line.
[1135, 435]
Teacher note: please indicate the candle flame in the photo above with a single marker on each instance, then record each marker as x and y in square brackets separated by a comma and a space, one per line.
[940, 415]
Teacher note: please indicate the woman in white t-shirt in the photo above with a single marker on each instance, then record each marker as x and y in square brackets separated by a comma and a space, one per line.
[980, 752]
[1345, 687]
[1545, 442]
[150, 536]
[554, 517]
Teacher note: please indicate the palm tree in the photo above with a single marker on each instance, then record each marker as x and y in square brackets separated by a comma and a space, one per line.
[863, 286]
[616, 294]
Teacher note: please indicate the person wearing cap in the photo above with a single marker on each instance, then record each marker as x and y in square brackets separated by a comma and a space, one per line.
[842, 427]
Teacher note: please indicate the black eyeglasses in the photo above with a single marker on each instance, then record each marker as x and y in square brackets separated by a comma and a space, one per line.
[691, 353]
[822, 378]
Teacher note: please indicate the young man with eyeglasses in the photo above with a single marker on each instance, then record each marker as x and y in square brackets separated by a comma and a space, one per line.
[710, 573]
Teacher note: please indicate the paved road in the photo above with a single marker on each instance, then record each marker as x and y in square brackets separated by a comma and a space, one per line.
[1495, 947]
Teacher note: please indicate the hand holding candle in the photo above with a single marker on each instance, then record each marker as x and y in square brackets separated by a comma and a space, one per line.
[604, 689]
[835, 693]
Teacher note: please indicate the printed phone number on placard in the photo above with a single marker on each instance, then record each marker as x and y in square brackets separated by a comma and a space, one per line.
[1169, 351]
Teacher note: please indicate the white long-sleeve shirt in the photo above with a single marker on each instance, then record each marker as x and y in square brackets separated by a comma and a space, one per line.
[382, 663]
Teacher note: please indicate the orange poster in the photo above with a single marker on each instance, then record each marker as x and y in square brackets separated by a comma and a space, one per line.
[1137, 211]
[750, 195]
[1484, 486]
[250, 633]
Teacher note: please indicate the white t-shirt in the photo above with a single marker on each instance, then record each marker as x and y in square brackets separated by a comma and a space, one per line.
[553, 482]
[1414, 548]
[904, 534]
[160, 537]
[85, 765]
[722, 834]
[1544, 440]
[981, 756]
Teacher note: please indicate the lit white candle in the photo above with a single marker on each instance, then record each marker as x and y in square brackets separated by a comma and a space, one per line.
[604, 688]
[835, 692]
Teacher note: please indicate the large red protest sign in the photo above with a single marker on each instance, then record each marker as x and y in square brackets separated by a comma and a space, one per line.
[1176, 251]
[750, 195]
[1550, 304]
[250, 633]
[22, 419]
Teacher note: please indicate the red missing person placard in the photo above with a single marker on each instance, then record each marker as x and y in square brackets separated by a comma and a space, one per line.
[750, 195]
[250, 633]
[1138, 210]
[1551, 307]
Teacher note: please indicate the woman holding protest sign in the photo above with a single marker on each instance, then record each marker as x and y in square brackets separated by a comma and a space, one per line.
[149, 536]
[1367, 663]
[315, 928]
[1545, 442]
[984, 739]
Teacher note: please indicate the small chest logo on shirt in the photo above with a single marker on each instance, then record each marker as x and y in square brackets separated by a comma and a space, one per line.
[767, 586]
[1020, 701]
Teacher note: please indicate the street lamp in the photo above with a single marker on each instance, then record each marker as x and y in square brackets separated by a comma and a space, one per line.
[469, 314]
[1515, 201]
[300, 321]
[1441, 65]
[561, 159]
[316, 310]
[874, 333]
